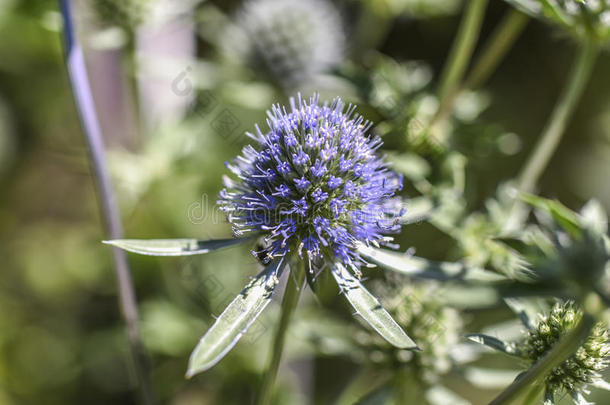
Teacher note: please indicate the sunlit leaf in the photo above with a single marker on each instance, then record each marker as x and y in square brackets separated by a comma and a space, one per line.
[418, 267]
[494, 343]
[601, 384]
[370, 309]
[172, 247]
[565, 217]
[439, 395]
[235, 320]
[490, 378]
[594, 217]
[417, 210]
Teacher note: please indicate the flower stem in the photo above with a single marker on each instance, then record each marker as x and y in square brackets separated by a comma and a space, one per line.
[461, 51]
[557, 355]
[408, 389]
[291, 297]
[551, 135]
[81, 89]
[533, 394]
[496, 48]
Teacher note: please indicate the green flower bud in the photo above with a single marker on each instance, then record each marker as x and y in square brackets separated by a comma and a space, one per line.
[584, 366]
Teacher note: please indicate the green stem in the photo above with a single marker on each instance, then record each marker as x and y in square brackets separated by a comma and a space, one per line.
[289, 302]
[408, 389]
[496, 48]
[554, 357]
[461, 51]
[551, 135]
[494, 52]
[131, 68]
[532, 395]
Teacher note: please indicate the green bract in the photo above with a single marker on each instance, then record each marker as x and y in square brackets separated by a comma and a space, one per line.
[573, 375]
[566, 252]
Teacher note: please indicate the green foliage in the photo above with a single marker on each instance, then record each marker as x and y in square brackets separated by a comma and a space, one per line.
[584, 19]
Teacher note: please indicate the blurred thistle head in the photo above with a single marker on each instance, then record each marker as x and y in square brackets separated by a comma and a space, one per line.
[289, 42]
[565, 250]
[313, 185]
[583, 18]
[433, 325]
[583, 367]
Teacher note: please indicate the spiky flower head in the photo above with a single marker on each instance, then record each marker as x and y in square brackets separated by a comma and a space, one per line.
[584, 18]
[577, 372]
[313, 184]
[288, 41]
[582, 368]
[417, 309]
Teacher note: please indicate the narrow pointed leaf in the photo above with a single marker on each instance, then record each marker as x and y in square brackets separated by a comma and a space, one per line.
[235, 320]
[418, 267]
[370, 309]
[172, 247]
[565, 217]
[494, 343]
[417, 210]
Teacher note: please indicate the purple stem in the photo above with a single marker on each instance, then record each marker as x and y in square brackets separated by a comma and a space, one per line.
[81, 90]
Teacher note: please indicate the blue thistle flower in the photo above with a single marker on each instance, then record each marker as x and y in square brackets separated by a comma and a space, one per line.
[297, 177]
[314, 191]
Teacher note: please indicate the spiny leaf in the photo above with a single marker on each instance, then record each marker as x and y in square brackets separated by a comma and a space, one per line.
[418, 267]
[565, 217]
[172, 247]
[494, 343]
[417, 210]
[370, 309]
[235, 320]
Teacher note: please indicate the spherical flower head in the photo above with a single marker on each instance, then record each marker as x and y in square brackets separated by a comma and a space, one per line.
[313, 185]
[289, 41]
[584, 367]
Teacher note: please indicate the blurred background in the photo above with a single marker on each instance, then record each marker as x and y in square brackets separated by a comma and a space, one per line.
[176, 85]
